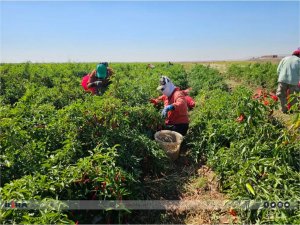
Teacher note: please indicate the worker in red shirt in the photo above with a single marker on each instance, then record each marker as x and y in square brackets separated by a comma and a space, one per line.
[175, 106]
[189, 100]
[98, 79]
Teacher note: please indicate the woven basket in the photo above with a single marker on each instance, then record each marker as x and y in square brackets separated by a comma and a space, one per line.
[170, 141]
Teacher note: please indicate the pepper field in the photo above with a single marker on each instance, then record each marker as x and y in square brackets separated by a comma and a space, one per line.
[59, 143]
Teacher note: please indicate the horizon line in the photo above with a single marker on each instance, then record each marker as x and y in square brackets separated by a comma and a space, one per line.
[163, 61]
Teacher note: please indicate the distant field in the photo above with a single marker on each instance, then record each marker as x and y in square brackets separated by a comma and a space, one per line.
[222, 65]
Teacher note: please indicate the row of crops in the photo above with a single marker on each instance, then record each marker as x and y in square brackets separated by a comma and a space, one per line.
[58, 142]
[259, 74]
[254, 155]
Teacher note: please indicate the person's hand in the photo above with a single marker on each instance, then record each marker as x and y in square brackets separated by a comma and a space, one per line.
[166, 110]
[97, 83]
[93, 73]
[154, 101]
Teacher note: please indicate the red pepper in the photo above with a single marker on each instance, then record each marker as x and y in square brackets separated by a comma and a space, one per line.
[154, 101]
[232, 212]
[240, 118]
[274, 97]
[13, 204]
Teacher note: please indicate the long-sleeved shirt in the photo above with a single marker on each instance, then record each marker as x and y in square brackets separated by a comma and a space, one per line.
[91, 83]
[289, 70]
[180, 114]
[189, 100]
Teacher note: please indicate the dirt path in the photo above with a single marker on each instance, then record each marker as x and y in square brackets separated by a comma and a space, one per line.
[204, 187]
[185, 182]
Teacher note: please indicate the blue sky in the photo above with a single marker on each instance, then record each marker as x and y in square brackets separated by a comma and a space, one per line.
[140, 31]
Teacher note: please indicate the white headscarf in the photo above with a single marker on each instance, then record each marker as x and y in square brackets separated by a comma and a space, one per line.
[166, 86]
